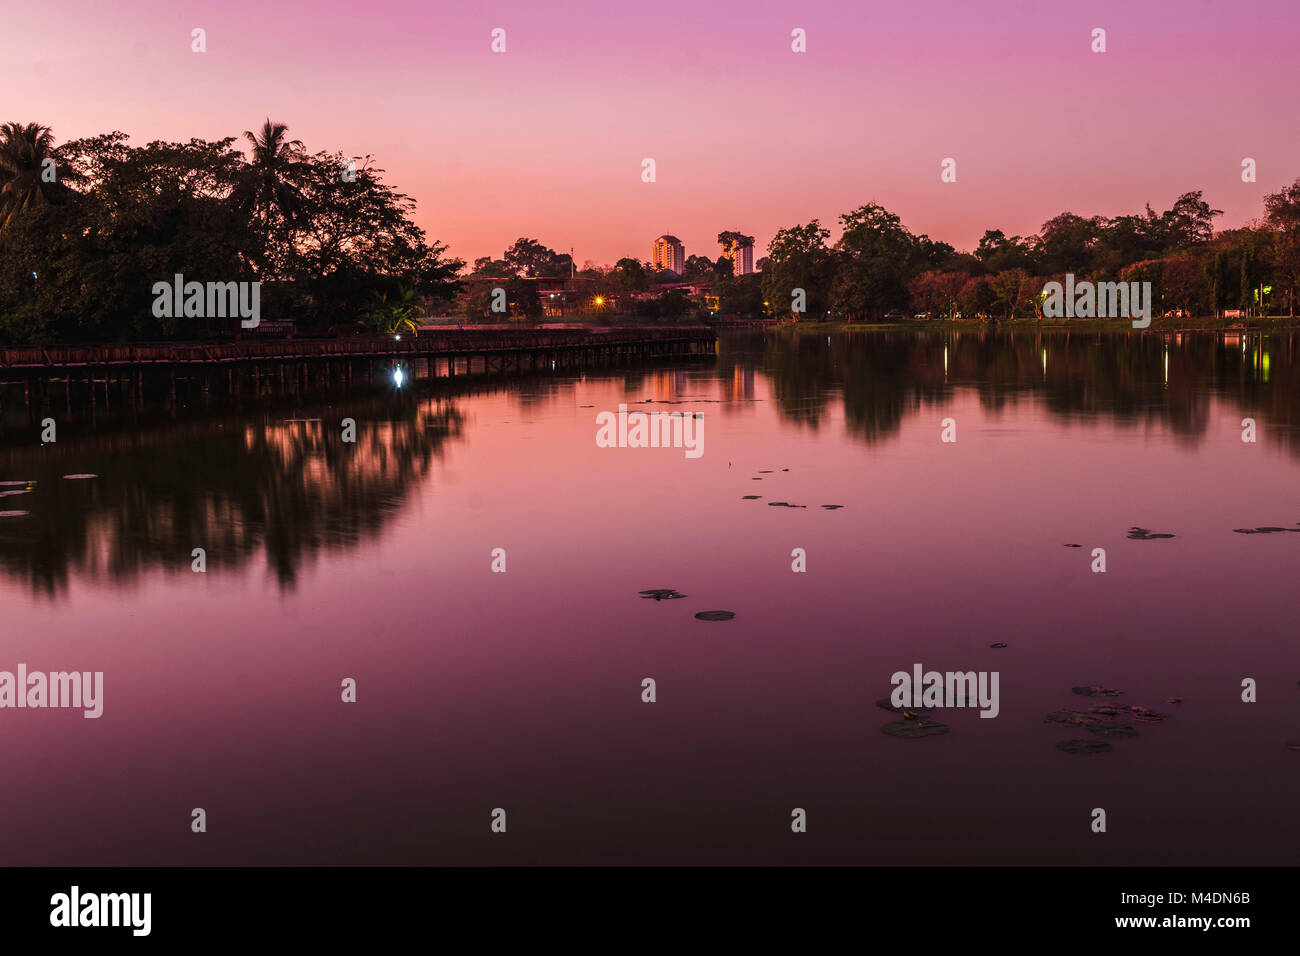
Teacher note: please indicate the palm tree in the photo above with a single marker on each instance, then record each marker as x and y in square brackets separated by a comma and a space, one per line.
[268, 187]
[23, 152]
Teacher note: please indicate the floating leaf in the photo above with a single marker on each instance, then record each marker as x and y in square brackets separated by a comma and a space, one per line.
[1143, 534]
[998, 644]
[1074, 546]
[886, 704]
[715, 615]
[1083, 746]
[1069, 718]
[832, 507]
[662, 594]
[1096, 690]
[750, 497]
[908, 729]
[1103, 709]
[1173, 700]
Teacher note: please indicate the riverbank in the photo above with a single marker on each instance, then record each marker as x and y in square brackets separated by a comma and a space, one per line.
[1159, 324]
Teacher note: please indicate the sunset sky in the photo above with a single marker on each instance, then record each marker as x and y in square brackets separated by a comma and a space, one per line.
[547, 140]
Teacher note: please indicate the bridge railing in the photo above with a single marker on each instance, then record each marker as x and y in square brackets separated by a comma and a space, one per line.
[450, 342]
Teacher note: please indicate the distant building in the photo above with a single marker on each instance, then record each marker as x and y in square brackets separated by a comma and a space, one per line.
[667, 252]
[741, 256]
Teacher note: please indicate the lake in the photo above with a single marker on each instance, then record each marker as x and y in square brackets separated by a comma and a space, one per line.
[478, 689]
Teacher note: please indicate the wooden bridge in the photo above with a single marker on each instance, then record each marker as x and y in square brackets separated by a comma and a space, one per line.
[133, 371]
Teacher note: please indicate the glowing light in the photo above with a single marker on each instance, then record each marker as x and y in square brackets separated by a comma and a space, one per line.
[398, 377]
[397, 337]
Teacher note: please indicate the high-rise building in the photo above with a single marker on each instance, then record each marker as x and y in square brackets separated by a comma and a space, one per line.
[741, 255]
[667, 252]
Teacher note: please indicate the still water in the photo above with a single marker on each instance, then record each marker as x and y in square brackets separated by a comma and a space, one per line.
[522, 690]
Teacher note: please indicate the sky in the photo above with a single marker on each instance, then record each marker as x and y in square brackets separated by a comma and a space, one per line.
[547, 140]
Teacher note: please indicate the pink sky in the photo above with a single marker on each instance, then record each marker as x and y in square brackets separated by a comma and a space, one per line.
[547, 140]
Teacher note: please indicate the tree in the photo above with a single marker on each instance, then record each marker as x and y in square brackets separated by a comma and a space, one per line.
[742, 296]
[1066, 243]
[1188, 223]
[977, 297]
[1282, 213]
[1014, 291]
[996, 252]
[24, 181]
[697, 269]
[877, 257]
[531, 259]
[731, 243]
[268, 187]
[935, 293]
[630, 275]
[798, 259]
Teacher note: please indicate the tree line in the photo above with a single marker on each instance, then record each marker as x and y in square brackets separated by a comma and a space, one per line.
[88, 227]
[878, 268]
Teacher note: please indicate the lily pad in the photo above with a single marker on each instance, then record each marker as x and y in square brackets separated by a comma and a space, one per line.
[886, 704]
[832, 507]
[1173, 700]
[1144, 534]
[1105, 728]
[999, 644]
[1083, 746]
[715, 615]
[80, 476]
[909, 729]
[1095, 690]
[662, 594]
[750, 497]
[1074, 546]
[1103, 709]
[783, 504]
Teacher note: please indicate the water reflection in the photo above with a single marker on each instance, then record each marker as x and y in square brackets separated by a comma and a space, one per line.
[883, 377]
[237, 487]
[284, 486]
